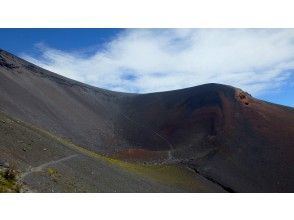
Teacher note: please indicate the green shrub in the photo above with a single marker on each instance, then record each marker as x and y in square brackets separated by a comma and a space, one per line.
[8, 181]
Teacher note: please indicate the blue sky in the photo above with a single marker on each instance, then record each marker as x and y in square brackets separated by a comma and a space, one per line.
[20, 41]
[260, 61]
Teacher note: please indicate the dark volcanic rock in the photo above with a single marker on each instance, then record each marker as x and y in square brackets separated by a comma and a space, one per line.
[6, 64]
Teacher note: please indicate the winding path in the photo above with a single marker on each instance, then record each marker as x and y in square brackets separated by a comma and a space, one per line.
[44, 165]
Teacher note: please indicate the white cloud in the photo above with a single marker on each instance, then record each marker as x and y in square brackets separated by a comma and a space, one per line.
[141, 60]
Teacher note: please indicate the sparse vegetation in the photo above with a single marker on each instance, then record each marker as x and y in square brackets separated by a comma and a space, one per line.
[8, 181]
[53, 173]
[173, 175]
[167, 174]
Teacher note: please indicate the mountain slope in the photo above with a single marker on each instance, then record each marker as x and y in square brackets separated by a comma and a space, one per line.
[222, 133]
[49, 164]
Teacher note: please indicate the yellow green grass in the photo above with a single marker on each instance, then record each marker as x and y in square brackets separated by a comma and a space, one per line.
[52, 172]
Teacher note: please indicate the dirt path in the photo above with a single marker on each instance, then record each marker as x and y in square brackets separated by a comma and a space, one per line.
[44, 165]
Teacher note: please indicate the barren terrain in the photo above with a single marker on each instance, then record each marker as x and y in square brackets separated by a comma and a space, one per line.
[60, 135]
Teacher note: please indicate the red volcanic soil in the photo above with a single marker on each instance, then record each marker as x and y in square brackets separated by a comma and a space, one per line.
[141, 155]
[223, 133]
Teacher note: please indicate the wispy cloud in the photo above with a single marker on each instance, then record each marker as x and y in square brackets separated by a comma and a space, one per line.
[141, 60]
